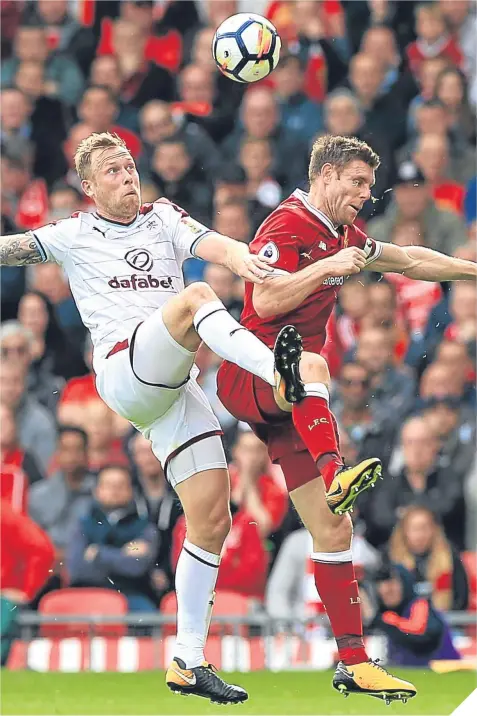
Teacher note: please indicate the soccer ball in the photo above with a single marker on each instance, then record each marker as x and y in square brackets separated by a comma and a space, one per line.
[246, 47]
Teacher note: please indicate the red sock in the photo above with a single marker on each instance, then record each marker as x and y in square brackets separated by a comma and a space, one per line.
[338, 589]
[315, 425]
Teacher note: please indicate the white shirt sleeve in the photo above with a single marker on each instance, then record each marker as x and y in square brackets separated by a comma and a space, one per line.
[55, 239]
[186, 233]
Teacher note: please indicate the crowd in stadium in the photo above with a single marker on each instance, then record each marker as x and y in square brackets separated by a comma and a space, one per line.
[402, 353]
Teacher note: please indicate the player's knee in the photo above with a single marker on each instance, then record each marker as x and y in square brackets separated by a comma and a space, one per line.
[198, 293]
[212, 531]
[333, 535]
[314, 369]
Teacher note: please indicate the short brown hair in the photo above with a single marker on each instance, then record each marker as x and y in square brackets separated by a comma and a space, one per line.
[97, 140]
[339, 151]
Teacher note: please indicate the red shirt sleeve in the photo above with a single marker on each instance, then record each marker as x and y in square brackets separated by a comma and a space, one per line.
[355, 237]
[276, 241]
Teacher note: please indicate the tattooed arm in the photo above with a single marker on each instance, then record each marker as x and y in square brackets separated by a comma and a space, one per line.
[21, 250]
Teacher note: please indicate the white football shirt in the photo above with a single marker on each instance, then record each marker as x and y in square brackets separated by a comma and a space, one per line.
[120, 274]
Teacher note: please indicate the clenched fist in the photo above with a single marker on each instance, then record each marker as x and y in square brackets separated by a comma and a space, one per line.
[345, 262]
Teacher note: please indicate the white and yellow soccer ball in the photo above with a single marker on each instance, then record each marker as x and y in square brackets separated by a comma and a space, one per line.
[246, 47]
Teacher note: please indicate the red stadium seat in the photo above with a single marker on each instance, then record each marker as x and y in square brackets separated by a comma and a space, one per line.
[227, 604]
[469, 560]
[87, 601]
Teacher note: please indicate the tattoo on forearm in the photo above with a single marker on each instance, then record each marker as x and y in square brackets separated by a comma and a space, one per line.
[20, 250]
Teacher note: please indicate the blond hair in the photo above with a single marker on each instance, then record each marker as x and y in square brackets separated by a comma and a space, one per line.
[338, 151]
[96, 140]
[440, 559]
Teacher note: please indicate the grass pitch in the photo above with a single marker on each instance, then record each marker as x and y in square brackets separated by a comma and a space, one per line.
[277, 694]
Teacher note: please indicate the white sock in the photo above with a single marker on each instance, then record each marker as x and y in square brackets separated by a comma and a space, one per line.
[196, 575]
[231, 341]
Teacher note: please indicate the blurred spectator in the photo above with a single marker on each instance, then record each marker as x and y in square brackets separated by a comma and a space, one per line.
[432, 158]
[470, 204]
[429, 71]
[50, 349]
[463, 312]
[371, 431]
[173, 174]
[49, 280]
[18, 122]
[415, 298]
[233, 219]
[105, 72]
[383, 313]
[64, 201]
[35, 425]
[230, 183]
[99, 109]
[462, 22]
[419, 482]
[141, 79]
[380, 41]
[344, 116]
[367, 77]
[419, 544]
[416, 631]
[63, 33]
[441, 380]
[253, 488]
[112, 546]
[222, 282]
[48, 111]
[318, 37]
[433, 117]
[256, 159]
[444, 230]
[17, 344]
[104, 446]
[158, 123]
[392, 389]
[56, 503]
[78, 392]
[197, 98]
[451, 90]
[64, 79]
[162, 506]
[260, 119]
[298, 113]
[27, 558]
[433, 40]
[18, 467]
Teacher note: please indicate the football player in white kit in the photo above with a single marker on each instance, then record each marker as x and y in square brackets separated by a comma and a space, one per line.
[123, 262]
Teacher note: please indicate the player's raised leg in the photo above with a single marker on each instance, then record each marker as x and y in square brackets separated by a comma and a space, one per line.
[317, 428]
[205, 499]
[337, 586]
[196, 315]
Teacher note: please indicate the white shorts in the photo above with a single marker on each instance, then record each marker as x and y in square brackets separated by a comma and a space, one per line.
[152, 384]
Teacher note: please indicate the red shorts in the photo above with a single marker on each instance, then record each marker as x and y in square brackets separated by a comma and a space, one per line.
[251, 400]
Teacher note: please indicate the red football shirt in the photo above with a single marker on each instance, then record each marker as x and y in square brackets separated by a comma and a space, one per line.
[294, 236]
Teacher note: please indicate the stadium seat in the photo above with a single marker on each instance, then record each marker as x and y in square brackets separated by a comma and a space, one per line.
[87, 601]
[227, 604]
[469, 560]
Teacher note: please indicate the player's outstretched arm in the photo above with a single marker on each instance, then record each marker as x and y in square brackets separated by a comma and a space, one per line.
[424, 264]
[219, 249]
[20, 250]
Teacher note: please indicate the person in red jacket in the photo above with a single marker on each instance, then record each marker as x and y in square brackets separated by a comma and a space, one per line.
[27, 558]
[432, 39]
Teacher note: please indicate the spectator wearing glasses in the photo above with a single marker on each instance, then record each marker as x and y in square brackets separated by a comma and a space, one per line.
[16, 344]
[369, 431]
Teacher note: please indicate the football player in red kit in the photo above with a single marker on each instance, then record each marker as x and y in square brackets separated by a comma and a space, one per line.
[313, 245]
